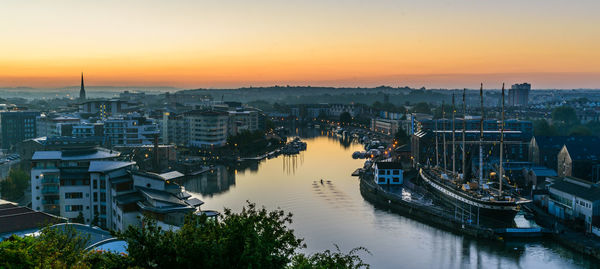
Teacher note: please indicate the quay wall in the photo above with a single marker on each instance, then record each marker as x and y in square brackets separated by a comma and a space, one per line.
[427, 214]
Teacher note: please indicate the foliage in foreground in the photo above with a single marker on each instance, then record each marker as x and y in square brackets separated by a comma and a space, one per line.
[53, 248]
[14, 185]
[253, 238]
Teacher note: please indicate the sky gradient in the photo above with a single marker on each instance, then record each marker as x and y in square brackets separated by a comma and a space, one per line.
[219, 44]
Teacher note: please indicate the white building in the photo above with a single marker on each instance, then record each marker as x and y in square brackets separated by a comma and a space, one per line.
[110, 194]
[242, 119]
[60, 181]
[132, 129]
[573, 198]
[106, 108]
[388, 173]
[385, 126]
[207, 128]
[49, 126]
[174, 129]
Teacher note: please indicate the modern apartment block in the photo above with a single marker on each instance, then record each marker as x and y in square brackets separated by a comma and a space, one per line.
[16, 126]
[60, 182]
[243, 120]
[53, 125]
[174, 129]
[518, 94]
[106, 108]
[207, 128]
[108, 193]
[131, 129]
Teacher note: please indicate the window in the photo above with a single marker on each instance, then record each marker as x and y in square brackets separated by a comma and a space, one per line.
[73, 195]
[396, 172]
[396, 180]
[103, 197]
[95, 197]
[381, 179]
[95, 184]
[72, 208]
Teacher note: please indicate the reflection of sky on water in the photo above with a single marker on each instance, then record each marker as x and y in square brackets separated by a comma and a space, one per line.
[334, 212]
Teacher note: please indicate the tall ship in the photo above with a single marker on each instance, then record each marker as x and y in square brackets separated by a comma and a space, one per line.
[474, 195]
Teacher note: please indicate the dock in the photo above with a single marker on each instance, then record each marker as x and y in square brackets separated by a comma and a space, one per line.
[357, 172]
[522, 232]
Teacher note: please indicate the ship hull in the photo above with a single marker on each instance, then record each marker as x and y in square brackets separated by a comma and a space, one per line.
[488, 213]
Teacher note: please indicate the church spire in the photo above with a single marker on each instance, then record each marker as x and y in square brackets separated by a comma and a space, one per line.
[82, 91]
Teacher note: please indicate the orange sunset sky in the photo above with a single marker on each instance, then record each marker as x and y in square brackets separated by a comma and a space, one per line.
[192, 44]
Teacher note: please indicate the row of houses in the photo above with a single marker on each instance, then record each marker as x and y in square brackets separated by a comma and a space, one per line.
[113, 124]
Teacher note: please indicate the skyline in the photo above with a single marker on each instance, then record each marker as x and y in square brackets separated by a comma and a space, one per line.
[231, 44]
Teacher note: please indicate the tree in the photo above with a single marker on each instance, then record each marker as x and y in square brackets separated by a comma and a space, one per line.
[437, 112]
[269, 125]
[580, 130]
[401, 136]
[565, 115]
[422, 107]
[345, 118]
[253, 238]
[95, 219]
[14, 185]
[541, 127]
[53, 248]
[79, 219]
[330, 259]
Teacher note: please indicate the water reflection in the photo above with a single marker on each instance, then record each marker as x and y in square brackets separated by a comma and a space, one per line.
[334, 212]
[218, 180]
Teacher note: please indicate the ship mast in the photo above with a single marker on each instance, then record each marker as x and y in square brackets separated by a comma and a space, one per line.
[481, 138]
[444, 138]
[437, 154]
[501, 169]
[453, 140]
[464, 151]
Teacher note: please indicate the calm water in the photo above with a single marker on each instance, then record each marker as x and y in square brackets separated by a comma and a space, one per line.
[335, 213]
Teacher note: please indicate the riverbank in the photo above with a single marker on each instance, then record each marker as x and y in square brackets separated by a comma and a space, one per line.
[577, 241]
[426, 214]
[435, 217]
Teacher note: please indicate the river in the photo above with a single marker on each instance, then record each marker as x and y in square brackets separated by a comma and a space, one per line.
[335, 213]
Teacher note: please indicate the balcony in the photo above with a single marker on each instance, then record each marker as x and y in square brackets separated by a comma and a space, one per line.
[50, 180]
[50, 202]
[50, 190]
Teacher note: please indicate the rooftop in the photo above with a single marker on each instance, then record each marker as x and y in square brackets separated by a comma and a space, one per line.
[591, 193]
[73, 155]
[107, 166]
[164, 176]
[161, 196]
[18, 219]
[388, 165]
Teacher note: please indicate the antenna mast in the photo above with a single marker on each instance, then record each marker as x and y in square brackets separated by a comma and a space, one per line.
[453, 139]
[437, 154]
[464, 151]
[481, 138]
[501, 168]
[444, 138]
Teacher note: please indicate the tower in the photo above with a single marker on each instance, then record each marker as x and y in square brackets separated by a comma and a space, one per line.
[82, 91]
